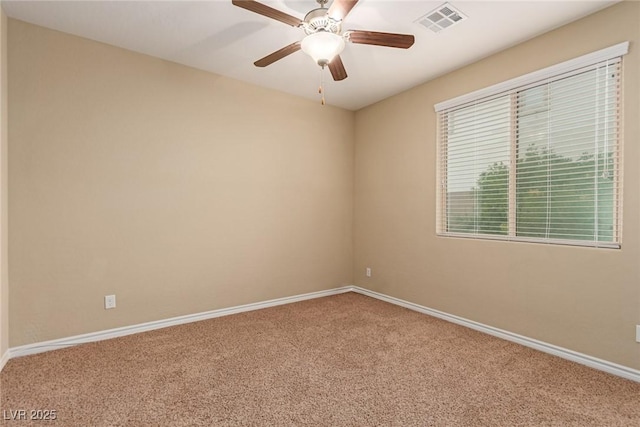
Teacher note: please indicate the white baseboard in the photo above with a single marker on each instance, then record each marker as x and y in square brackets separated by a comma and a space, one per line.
[41, 347]
[593, 362]
[4, 359]
[574, 356]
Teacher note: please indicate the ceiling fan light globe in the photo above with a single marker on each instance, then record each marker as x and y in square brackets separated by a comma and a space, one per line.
[322, 46]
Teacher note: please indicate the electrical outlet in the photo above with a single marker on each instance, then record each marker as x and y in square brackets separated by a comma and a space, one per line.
[109, 302]
[637, 333]
[368, 272]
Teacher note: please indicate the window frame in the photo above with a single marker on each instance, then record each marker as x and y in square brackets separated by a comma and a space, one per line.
[511, 88]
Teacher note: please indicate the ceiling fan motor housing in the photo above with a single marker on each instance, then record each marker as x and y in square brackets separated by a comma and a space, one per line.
[319, 20]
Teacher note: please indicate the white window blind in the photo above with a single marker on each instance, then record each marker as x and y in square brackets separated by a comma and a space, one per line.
[539, 162]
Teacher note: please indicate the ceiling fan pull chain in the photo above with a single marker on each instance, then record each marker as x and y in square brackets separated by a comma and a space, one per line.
[321, 87]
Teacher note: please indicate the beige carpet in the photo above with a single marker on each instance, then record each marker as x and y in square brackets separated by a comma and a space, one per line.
[341, 360]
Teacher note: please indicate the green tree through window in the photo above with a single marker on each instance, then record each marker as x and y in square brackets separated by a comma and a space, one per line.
[562, 204]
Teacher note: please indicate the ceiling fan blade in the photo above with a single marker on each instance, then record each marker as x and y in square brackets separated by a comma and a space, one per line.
[277, 55]
[267, 11]
[337, 69]
[340, 8]
[403, 41]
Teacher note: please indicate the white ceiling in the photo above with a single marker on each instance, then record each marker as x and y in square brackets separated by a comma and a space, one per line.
[219, 37]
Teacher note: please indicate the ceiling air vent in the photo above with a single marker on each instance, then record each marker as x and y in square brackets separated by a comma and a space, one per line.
[442, 17]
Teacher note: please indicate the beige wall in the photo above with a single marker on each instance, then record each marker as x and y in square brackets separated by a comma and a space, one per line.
[4, 270]
[583, 299]
[177, 190]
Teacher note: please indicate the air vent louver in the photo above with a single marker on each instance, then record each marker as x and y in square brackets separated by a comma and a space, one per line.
[440, 18]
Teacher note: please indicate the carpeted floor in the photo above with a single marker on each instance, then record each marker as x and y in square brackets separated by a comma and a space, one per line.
[341, 360]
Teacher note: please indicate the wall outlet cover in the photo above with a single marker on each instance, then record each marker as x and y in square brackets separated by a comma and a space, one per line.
[109, 302]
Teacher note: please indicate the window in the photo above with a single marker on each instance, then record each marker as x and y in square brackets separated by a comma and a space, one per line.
[537, 158]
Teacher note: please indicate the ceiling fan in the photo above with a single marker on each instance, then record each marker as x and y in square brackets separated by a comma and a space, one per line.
[324, 41]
